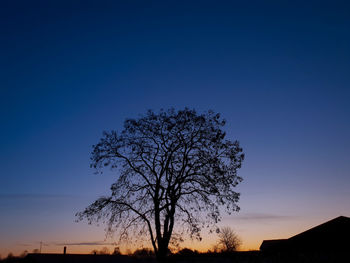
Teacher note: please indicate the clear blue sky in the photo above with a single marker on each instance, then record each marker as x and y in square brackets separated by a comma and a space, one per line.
[278, 71]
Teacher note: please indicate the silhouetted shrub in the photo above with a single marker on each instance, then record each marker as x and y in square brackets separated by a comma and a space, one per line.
[116, 251]
[187, 252]
[143, 252]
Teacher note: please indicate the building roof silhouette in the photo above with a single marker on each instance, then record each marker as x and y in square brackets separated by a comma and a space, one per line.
[332, 235]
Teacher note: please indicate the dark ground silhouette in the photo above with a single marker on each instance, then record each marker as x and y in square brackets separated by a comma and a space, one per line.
[327, 242]
[239, 257]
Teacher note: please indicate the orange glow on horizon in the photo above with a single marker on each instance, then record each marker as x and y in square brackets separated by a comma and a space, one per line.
[252, 233]
[202, 246]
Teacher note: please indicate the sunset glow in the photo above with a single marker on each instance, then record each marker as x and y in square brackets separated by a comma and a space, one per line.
[278, 73]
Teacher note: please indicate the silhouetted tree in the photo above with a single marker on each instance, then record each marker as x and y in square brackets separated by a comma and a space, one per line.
[116, 251]
[228, 240]
[173, 165]
[143, 252]
[104, 251]
[94, 251]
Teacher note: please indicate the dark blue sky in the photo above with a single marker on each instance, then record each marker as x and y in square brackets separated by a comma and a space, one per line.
[278, 71]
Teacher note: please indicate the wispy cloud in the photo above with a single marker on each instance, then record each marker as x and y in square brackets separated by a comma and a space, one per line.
[44, 244]
[17, 196]
[83, 243]
[262, 217]
[92, 243]
[24, 244]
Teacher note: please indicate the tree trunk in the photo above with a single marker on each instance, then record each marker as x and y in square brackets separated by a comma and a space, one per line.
[162, 250]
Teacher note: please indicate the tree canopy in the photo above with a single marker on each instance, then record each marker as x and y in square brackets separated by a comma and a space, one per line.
[175, 170]
[228, 240]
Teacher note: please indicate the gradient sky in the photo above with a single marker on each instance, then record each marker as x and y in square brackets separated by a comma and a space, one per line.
[278, 71]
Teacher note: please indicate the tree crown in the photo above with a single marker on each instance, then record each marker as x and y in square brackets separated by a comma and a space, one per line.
[172, 164]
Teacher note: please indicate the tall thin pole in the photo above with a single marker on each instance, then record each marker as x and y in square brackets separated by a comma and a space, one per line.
[41, 243]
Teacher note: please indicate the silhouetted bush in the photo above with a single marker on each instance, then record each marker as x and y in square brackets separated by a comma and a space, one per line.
[12, 259]
[143, 252]
[116, 251]
[187, 252]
